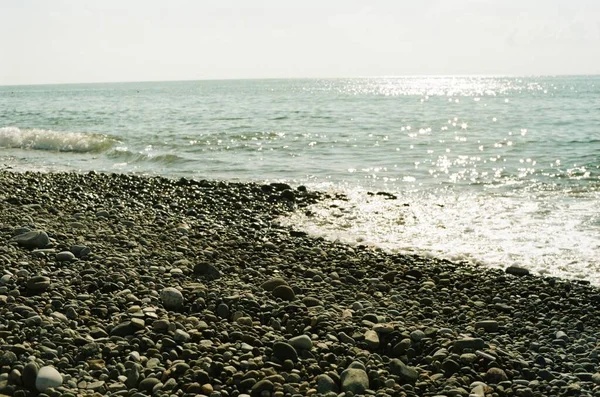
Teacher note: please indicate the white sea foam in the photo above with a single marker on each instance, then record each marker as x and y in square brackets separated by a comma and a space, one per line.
[49, 140]
[550, 235]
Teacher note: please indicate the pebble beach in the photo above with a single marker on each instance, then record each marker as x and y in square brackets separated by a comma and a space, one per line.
[122, 285]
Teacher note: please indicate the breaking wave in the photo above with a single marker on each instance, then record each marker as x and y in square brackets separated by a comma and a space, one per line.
[41, 139]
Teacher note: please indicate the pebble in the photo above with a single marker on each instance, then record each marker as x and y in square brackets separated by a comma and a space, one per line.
[487, 325]
[404, 372]
[495, 375]
[47, 377]
[517, 271]
[354, 380]
[38, 284]
[372, 339]
[33, 239]
[436, 327]
[284, 292]
[301, 342]
[284, 351]
[171, 298]
[65, 256]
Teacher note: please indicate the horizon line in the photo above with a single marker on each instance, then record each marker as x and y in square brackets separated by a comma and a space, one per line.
[304, 78]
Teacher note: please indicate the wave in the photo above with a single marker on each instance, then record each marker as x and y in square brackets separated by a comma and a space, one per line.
[41, 139]
[139, 157]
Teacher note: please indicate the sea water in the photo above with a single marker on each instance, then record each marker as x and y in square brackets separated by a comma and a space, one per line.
[495, 170]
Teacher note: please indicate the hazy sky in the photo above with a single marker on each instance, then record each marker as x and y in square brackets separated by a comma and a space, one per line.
[61, 41]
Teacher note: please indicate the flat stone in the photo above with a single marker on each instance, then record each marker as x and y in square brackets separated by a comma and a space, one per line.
[47, 377]
[33, 239]
[517, 271]
[487, 325]
[469, 343]
[65, 256]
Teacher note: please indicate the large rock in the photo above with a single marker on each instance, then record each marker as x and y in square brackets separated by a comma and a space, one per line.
[33, 239]
[354, 380]
[171, 298]
[47, 377]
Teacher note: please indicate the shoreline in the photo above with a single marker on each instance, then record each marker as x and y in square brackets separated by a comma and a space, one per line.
[259, 309]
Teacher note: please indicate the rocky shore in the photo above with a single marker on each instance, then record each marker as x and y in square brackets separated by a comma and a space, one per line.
[131, 286]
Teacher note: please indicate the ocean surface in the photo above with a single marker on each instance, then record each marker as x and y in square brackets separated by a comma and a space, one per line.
[495, 170]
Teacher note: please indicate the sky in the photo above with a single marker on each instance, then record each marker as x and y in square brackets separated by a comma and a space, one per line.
[74, 41]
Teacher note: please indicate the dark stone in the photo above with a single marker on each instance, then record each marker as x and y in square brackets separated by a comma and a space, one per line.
[33, 239]
[273, 283]
[284, 351]
[124, 329]
[517, 271]
[495, 375]
[284, 292]
[261, 386]
[404, 372]
[207, 270]
[38, 284]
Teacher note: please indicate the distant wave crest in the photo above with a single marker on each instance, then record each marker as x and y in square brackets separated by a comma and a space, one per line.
[140, 157]
[41, 139]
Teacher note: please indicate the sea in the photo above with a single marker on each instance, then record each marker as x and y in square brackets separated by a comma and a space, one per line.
[493, 170]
